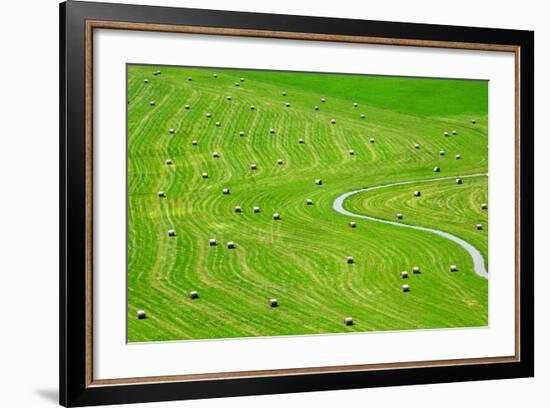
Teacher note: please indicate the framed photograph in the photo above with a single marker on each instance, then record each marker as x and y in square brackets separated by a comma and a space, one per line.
[256, 204]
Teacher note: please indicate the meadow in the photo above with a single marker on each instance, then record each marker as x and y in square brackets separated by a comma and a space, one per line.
[348, 131]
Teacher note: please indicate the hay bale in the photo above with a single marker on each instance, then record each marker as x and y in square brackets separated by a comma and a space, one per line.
[417, 193]
[350, 260]
[445, 133]
[238, 209]
[352, 224]
[231, 245]
[212, 242]
[215, 75]
[416, 146]
[215, 154]
[323, 100]
[484, 206]
[276, 216]
[355, 105]
[458, 181]
[404, 275]
[283, 93]
[226, 191]
[280, 161]
[162, 194]
[399, 216]
[316, 108]
[193, 294]
[333, 121]
[454, 132]
[146, 81]
[241, 133]
[171, 130]
[362, 116]
[241, 79]
[171, 233]
[169, 162]
[237, 84]
[479, 226]
[252, 107]
[301, 141]
[152, 103]
[140, 314]
[473, 121]
[309, 201]
[218, 124]
[319, 182]
[204, 175]
[273, 303]
[156, 73]
[228, 97]
[253, 166]
[442, 152]
[416, 270]
[453, 268]
[405, 288]
[371, 140]
[255, 209]
[436, 169]
[287, 105]
[194, 142]
[271, 130]
[351, 152]
[209, 115]
[457, 157]
[348, 321]
[189, 78]
[187, 106]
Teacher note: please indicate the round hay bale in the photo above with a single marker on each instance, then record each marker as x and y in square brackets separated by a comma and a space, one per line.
[212, 242]
[204, 175]
[256, 209]
[226, 191]
[140, 314]
[405, 288]
[442, 152]
[362, 116]
[323, 100]
[479, 226]
[309, 201]
[319, 182]
[253, 166]
[218, 124]
[146, 81]
[241, 133]
[355, 105]
[457, 157]
[436, 169]
[473, 121]
[287, 104]
[458, 181]
[208, 115]
[171, 233]
[484, 206]
[283, 93]
[301, 141]
[416, 269]
[241, 79]
[193, 294]
[454, 132]
[352, 224]
[404, 275]
[238, 209]
[348, 321]
[161, 194]
[215, 75]
[280, 161]
[416, 146]
[316, 108]
[276, 216]
[156, 73]
[189, 78]
[417, 193]
[187, 106]
[271, 130]
[453, 268]
[252, 107]
[169, 162]
[194, 142]
[333, 121]
[399, 216]
[215, 154]
[171, 130]
[152, 103]
[231, 245]
[349, 259]
[273, 303]
[351, 152]
[228, 97]
[371, 140]
[237, 84]
[445, 133]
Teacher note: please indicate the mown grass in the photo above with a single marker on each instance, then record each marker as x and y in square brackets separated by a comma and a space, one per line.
[300, 259]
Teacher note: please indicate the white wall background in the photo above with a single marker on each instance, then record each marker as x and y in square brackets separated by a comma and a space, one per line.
[29, 202]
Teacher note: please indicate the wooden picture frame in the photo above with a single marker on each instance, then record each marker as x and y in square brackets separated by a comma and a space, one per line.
[78, 20]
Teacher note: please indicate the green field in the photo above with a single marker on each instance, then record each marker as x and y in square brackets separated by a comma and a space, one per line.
[301, 259]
